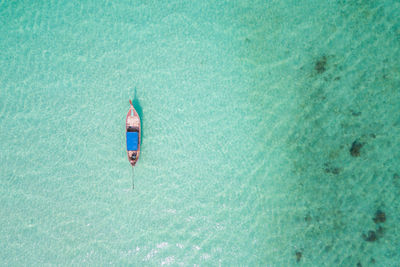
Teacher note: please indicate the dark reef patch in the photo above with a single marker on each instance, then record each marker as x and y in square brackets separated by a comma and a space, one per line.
[355, 148]
[359, 264]
[320, 65]
[328, 168]
[355, 113]
[332, 170]
[373, 236]
[298, 255]
[380, 217]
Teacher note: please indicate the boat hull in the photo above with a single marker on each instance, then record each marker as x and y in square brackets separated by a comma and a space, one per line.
[133, 122]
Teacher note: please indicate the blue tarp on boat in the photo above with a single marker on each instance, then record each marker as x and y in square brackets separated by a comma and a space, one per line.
[132, 139]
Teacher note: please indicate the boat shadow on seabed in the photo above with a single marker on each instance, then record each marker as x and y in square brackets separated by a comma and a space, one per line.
[138, 107]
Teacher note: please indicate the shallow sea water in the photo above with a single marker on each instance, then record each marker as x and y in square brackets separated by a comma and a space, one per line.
[249, 113]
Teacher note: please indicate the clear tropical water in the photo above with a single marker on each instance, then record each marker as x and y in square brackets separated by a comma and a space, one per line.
[270, 133]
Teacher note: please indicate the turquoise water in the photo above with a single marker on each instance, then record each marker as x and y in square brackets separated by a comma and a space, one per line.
[270, 133]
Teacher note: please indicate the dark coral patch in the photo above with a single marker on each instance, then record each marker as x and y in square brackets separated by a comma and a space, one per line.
[320, 65]
[298, 256]
[331, 169]
[355, 148]
[380, 217]
[371, 237]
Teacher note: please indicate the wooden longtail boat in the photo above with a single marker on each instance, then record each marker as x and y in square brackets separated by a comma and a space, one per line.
[132, 136]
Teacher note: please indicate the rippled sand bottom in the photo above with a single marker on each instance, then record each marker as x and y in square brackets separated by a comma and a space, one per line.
[269, 133]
